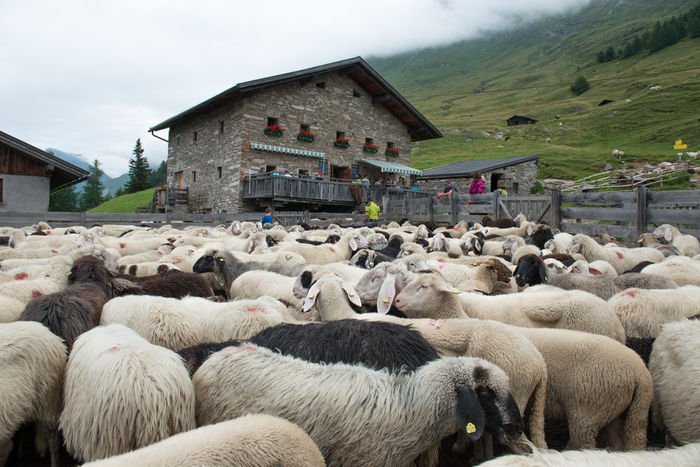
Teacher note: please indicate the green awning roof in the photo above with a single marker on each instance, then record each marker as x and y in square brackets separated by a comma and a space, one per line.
[392, 167]
[285, 150]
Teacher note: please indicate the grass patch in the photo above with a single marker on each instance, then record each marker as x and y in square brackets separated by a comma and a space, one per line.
[126, 203]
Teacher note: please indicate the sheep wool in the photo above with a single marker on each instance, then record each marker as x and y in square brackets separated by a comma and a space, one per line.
[32, 361]
[358, 416]
[122, 393]
[259, 440]
[675, 367]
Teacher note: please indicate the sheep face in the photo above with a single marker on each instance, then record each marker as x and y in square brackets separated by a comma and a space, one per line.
[209, 263]
[530, 270]
[663, 231]
[413, 297]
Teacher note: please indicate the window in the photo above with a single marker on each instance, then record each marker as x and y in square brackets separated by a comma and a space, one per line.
[177, 140]
[221, 127]
[323, 166]
[515, 187]
[194, 137]
[301, 172]
[304, 127]
[1, 191]
[390, 144]
[369, 141]
[321, 85]
[355, 93]
[339, 134]
[270, 168]
[219, 171]
[272, 121]
[194, 176]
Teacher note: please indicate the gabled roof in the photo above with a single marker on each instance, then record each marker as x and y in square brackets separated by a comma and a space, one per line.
[64, 173]
[391, 167]
[469, 168]
[521, 117]
[356, 69]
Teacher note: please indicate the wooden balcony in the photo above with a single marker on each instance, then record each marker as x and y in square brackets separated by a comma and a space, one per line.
[275, 189]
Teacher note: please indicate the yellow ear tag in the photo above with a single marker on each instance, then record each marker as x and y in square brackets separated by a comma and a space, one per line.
[311, 295]
[471, 428]
[351, 294]
[385, 299]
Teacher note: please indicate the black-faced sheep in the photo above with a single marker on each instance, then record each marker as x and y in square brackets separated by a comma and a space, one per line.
[355, 415]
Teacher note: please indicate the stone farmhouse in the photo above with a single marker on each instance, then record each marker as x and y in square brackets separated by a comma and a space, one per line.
[28, 175]
[519, 174]
[294, 140]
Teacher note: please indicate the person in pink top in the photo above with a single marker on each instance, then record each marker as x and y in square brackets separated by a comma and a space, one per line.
[477, 185]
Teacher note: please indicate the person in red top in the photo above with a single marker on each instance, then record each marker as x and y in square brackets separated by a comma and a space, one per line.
[477, 185]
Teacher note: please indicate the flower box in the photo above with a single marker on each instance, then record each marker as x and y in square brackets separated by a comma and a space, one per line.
[274, 130]
[392, 152]
[370, 148]
[342, 142]
[306, 136]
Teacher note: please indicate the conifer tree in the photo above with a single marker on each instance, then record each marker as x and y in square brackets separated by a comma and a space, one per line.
[92, 194]
[63, 200]
[139, 170]
[580, 85]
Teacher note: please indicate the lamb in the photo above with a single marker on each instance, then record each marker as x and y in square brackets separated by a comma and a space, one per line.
[227, 268]
[688, 245]
[250, 440]
[642, 312]
[122, 393]
[675, 368]
[431, 297]
[32, 361]
[531, 270]
[686, 455]
[179, 323]
[622, 259]
[490, 340]
[365, 422]
[680, 269]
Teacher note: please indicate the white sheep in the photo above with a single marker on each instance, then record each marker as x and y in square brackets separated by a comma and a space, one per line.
[616, 153]
[327, 253]
[259, 440]
[180, 323]
[655, 88]
[674, 364]
[685, 455]
[560, 243]
[122, 393]
[643, 311]
[622, 259]
[431, 297]
[53, 279]
[688, 245]
[10, 309]
[592, 381]
[680, 269]
[595, 268]
[355, 415]
[694, 155]
[254, 284]
[32, 361]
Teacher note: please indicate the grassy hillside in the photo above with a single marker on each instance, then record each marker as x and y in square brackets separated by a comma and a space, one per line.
[126, 203]
[469, 89]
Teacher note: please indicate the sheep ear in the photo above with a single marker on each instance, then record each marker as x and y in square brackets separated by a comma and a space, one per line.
[470, 415]
[353, 244]
[595, 272]
[447, 288]
[530, 230]
[478, 247]
[350, 292]
[387, 292]
[311, 296]
[542, 269]
[668, 235]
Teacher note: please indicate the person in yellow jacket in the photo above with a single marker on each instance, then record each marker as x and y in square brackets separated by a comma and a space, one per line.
[372, 213]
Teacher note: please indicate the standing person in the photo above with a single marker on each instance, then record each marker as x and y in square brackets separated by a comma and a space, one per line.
[478, 185]
[501, 186]
[365, 181]
[449, 189]
[372, 212]
[357, 180]
[267, 218]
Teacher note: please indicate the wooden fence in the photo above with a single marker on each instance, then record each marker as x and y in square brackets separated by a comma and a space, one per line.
[621, 214]
[88, 219]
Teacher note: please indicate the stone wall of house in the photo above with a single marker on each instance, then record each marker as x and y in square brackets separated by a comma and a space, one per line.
[328, 104]
[519, 179]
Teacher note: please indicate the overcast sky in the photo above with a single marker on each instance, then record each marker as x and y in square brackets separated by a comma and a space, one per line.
[90, 77]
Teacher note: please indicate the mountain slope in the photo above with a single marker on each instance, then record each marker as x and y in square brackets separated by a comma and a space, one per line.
[470, 88]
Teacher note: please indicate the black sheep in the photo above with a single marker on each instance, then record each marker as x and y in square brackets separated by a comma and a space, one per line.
[540, 236]
[641, 345]
[375, 344]
[504, 223]
[78, 307]
[333, 238]
[530, 270]
[173, 283]
[393, 247]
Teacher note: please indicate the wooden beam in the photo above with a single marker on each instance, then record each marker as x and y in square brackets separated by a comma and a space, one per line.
[381, 98]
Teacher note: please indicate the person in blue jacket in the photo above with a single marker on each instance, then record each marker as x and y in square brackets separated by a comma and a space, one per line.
[267, 218]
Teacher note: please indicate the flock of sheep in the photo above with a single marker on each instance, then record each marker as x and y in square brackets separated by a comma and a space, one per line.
[396, 345]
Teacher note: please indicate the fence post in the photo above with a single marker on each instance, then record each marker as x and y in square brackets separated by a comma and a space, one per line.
[385, 206]
[642, 213]
[82, 219]
[454, 208]
[496, 206]
[556, 209]
[431, 209]
[404, 204]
